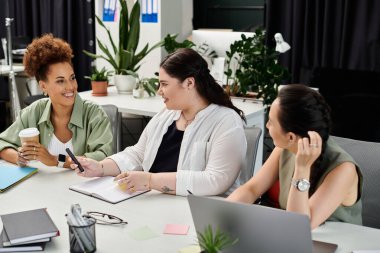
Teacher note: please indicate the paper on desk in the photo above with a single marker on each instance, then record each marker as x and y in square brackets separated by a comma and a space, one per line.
[143, 233]
[366, 251]
[190, 249]
[176, 229]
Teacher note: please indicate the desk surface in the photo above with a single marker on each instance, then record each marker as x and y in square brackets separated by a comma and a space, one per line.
[4, 69]
[149, 106]
[49, 188]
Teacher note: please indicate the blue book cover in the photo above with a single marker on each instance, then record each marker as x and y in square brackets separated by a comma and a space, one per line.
[11, 175]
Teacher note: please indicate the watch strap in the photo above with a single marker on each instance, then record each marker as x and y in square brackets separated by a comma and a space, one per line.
[61, 160]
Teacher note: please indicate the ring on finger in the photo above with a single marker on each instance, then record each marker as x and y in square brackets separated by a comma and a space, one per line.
[34, 148]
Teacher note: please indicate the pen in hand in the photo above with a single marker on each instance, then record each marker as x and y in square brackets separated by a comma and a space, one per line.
[74, 159]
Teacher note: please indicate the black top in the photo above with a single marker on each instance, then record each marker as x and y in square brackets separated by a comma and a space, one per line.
[168, 153]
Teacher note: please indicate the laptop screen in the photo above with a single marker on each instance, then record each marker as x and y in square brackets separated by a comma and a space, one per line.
[257, 228]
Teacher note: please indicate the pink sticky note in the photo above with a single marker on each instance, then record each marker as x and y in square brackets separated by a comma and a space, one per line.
[176, 229]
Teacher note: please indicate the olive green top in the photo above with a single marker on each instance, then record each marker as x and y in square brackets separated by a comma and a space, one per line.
[92, 135]
[332, 157]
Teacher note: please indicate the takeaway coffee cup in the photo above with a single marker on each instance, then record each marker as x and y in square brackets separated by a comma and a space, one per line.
[29, 134]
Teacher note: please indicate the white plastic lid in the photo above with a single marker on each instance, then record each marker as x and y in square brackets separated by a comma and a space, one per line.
[29, 132]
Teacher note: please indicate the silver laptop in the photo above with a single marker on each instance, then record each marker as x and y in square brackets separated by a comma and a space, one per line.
[259, 229]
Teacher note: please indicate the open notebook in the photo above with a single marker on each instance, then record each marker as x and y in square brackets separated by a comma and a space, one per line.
[11, 175]
[104, 188]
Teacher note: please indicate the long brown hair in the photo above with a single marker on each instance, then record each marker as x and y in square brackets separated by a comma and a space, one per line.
[185, 63]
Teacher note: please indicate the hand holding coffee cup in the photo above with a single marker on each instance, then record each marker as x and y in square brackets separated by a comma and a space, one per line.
[30, 141]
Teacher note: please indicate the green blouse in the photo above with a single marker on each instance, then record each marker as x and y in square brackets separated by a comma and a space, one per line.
[92, 135]
[332, 157]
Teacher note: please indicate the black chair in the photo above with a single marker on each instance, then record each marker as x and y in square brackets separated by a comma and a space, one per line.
[29, 100]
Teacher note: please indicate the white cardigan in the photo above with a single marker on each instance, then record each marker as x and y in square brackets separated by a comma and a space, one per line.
[212, 151]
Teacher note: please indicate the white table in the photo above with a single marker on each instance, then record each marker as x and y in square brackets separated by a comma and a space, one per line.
[4, 69]
[14, 94]
[149, 106]
[348, 237]
[49, 188]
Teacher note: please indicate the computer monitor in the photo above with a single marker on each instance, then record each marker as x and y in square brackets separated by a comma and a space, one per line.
[220, 42]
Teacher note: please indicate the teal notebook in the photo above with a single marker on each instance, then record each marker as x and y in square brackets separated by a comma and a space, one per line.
[11, 175]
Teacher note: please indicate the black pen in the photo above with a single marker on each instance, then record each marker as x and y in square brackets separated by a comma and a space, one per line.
[189, 192]
[74, 159]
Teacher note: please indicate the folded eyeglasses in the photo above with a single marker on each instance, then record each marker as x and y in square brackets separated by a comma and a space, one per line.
[105, 219]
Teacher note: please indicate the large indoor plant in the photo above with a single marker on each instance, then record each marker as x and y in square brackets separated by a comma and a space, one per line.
[257, 68]
[124, 57]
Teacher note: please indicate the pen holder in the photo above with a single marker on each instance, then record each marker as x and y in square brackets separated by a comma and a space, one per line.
[82, 238]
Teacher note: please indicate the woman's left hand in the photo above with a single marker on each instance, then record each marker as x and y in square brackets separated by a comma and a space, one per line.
[37, 151]
[132, 181]
[308, 150]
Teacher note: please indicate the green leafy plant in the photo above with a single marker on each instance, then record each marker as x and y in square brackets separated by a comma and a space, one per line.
[99, 75]
[150, 85]
[257, 68]
[212, 242]
[124, 56]
[170, 43]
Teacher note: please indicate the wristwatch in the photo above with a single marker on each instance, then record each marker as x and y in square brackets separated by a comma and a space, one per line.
[61, 160]
[301, 184]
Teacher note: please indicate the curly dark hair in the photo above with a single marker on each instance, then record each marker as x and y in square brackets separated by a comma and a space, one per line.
[43, 52]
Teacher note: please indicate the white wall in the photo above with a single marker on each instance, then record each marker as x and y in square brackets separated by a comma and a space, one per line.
[175, 16]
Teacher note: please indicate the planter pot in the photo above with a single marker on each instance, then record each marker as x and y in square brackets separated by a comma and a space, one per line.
[99, 88]
[125, 84]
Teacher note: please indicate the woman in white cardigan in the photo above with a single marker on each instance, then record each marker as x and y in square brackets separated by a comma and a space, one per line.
[196, 144]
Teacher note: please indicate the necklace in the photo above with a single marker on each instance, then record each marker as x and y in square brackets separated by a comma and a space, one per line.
[188, 121]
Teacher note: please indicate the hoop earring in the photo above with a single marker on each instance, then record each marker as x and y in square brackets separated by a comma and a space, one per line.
[45, 94]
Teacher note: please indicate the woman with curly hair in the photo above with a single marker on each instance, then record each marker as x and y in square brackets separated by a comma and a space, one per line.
[317, 178]
[63, 119]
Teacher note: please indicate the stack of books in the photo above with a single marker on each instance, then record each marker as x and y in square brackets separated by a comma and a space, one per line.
[27, 231]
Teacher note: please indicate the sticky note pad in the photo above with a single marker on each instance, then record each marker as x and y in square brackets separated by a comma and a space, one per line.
[190, 249]
[176, 229]
[143, 233]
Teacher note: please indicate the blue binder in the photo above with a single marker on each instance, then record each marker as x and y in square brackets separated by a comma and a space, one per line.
[12, 175]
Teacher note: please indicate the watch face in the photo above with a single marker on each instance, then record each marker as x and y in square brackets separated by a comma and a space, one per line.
[61, 158]
[303, 185]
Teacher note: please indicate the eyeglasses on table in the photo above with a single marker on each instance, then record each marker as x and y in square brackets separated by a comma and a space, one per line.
[105, 219]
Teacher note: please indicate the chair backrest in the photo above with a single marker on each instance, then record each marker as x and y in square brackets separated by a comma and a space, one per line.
[252, 135]
[115, 119]
[367, 155]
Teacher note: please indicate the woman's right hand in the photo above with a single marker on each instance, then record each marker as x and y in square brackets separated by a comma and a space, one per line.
[92, 168]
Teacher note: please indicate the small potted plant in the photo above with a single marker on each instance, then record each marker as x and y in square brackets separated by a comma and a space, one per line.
[211, 242]
[99, 81]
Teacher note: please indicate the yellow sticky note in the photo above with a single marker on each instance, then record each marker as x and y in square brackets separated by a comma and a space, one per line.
[190, 249]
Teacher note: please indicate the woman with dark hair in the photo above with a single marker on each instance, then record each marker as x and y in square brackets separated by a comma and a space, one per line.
[195, 144]
[63, 119]
[317, 178]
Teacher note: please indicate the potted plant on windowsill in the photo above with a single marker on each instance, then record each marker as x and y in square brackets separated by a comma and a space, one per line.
[124, 57]
[257, 69]
[99, 81]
